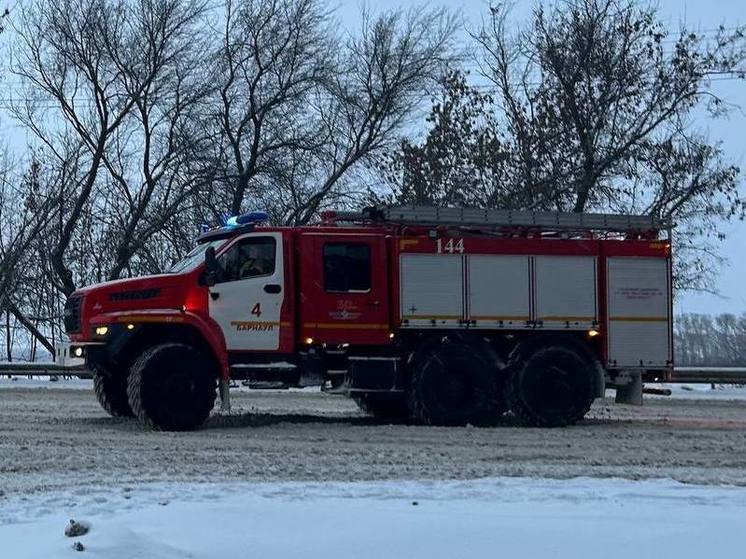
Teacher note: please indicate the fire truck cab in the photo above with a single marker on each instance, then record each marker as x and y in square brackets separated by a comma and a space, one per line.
[433, 315]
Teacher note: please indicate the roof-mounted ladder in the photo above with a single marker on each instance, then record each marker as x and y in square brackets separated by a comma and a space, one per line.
[429, 215]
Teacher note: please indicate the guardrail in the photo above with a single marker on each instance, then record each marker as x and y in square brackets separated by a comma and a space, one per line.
[709, 375]
[42, 369]
[681, 375]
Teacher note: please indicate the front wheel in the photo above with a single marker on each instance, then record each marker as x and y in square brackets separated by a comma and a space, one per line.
[111, 392]
[172, 387]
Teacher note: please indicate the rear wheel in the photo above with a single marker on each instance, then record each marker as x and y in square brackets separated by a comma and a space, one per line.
[454, 384]
[553, 386]
[111, 392]
[172, 387]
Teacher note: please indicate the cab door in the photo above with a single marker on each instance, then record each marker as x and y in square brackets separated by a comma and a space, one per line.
[247, 299]
[344, 289]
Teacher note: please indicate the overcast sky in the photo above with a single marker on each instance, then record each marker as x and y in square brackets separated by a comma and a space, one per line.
[698, 14]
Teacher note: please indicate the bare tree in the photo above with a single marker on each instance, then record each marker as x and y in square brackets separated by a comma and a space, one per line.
[274, 55]
[590, 82]
[158, 55]
[62, 56]
[122, 75]
[24, 213]
[705, 340]
[3, 14]
[597, 98]
[383, 75]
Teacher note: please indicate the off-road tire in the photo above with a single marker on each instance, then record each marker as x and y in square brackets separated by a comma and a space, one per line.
[553, 386]
[172, 387]
[454, 384]
[111, 392]
[389, 407]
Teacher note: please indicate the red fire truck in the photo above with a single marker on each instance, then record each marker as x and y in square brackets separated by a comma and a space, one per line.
[445, 316]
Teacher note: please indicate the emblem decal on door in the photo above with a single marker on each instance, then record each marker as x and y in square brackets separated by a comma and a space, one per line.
[258, 326]
[346, 310]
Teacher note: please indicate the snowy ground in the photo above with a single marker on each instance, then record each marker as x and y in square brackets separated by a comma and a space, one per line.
[52, 439]
[288, 474]
[519, 517]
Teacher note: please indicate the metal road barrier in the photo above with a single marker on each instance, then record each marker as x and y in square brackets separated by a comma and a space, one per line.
[42, 369]
[709, 375]
[681, 375]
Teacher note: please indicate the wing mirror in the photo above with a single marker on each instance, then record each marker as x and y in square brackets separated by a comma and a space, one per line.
[211, 274]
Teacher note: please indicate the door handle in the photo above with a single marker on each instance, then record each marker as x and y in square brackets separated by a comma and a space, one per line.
[272, 288]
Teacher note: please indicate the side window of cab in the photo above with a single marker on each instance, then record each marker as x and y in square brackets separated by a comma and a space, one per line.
[249, 257]
[347, 268]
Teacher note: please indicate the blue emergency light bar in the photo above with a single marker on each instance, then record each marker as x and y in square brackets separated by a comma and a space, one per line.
[247, 218]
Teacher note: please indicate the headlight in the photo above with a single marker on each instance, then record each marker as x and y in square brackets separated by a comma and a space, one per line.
[102, 330]
[78, 352]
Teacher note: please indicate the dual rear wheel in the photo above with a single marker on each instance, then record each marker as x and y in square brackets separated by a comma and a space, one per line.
[553, 386]
[545, 385]
[455, 384]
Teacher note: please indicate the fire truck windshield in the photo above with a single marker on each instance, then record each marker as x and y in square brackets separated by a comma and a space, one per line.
[194, 258]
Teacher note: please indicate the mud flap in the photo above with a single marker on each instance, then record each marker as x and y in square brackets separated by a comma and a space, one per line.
[600, 380]
[312, 370]
[373, 374]
[630, 392]
[225, 395]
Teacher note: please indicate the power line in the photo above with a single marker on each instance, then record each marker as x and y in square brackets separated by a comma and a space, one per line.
[49, 102]
[10, 105]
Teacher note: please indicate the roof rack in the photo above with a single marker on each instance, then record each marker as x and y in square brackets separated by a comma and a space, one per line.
[430, 215]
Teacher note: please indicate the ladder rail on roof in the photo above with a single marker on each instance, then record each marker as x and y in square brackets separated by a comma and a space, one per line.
[430, 215]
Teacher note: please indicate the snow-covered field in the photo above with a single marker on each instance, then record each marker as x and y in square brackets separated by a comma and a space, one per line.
[701, 391]
[500, 517]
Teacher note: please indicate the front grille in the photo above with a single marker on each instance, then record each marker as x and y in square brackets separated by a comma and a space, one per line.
[72, 314]
[135, 294]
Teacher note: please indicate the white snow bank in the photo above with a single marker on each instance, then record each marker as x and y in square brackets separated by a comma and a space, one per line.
[22, 381]
[521, 518]
[701, 391]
